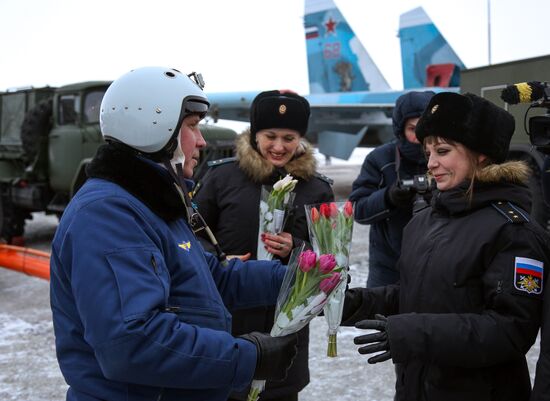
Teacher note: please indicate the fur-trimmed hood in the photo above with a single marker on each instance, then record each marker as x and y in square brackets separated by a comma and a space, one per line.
[259, 169]
[515, 172]
[496, 182]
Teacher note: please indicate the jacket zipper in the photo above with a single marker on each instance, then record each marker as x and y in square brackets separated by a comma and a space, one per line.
[154, 263]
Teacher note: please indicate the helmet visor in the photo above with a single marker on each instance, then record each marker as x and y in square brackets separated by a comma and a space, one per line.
[194, 105]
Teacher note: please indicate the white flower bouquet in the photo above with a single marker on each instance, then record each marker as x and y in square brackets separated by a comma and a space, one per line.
[274, 205]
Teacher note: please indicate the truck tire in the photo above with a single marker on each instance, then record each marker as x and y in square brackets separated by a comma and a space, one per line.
[12, 220]
[35, 128]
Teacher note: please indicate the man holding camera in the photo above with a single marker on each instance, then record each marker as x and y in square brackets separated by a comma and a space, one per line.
[392, 181]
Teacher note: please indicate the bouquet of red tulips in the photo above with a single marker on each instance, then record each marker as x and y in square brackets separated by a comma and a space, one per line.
[309, 283]
[330, 229]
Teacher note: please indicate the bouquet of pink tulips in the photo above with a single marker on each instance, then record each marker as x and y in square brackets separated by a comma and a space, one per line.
[308, 284]
[274, 204]
[330, 228]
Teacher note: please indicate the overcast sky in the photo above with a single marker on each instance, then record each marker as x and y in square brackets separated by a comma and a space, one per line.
[239, 44]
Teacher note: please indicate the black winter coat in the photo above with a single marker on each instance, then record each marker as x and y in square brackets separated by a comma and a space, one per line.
[541, 388]
[229, 200]
[377, 174]
[463, 317]
[546, 180]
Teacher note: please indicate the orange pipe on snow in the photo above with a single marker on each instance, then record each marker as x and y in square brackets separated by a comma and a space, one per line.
[25, 260]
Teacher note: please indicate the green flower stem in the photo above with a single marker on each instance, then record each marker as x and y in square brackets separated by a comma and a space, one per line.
[294, 293]
[332, 350]
[253, 394]
[304, 280]
[302, 291]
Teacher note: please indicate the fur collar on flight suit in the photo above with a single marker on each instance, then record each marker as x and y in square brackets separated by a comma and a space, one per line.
[259, 169]
[139, 177]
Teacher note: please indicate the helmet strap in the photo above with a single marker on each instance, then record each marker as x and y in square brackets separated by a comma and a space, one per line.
[176, 171]
[194, 218]
[178, 157]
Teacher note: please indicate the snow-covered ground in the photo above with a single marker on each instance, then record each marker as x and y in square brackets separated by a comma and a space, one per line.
[356, 159]
[28, 366]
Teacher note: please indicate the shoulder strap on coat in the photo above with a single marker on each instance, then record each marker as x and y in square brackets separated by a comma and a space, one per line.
[219, 162]
[513, 213]
[323, 177]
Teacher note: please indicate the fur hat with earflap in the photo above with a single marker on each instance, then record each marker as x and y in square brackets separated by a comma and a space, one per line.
[278, 109]
[470, 120]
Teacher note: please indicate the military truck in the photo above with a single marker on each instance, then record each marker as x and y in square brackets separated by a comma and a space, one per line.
[47, 137]
[488, 82]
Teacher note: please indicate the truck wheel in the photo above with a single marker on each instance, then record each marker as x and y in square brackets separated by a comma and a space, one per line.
[12, 220]
[35, 129]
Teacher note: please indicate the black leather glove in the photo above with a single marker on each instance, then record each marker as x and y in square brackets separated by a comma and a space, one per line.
[275, 354]
[379, 339]
[399, 196]
[352, 302]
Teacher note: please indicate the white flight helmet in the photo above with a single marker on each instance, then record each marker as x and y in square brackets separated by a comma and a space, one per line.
[145, 107]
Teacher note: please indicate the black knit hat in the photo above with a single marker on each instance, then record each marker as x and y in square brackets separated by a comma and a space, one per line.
[470, 120]
[273, 109]
[409, 105]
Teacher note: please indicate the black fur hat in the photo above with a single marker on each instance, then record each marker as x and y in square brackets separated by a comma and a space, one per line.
[470, 120]
[275, 109]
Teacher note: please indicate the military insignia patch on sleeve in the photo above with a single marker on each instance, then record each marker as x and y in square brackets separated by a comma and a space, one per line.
[528, 275]
[185, 245]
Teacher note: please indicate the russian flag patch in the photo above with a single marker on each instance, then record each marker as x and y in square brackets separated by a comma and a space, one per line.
[528, 275]
[311, 32]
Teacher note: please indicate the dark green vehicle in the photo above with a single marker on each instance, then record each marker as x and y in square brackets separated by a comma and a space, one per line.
[47, 137]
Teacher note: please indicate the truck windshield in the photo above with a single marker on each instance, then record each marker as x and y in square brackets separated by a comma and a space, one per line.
[69, 109]
[12, 112]
[92, 103]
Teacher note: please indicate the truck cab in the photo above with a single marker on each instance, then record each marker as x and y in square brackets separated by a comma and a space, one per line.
[48, 136]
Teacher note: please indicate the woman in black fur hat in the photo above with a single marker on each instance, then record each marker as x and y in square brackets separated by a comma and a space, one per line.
[472, 267]
[229, 201]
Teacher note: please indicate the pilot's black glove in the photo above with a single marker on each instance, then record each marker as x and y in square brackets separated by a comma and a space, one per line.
[274, 354]
[379, 339]
[399, 196]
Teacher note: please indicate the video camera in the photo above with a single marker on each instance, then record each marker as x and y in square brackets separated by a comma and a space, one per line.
[538, 94]
[420, 185]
